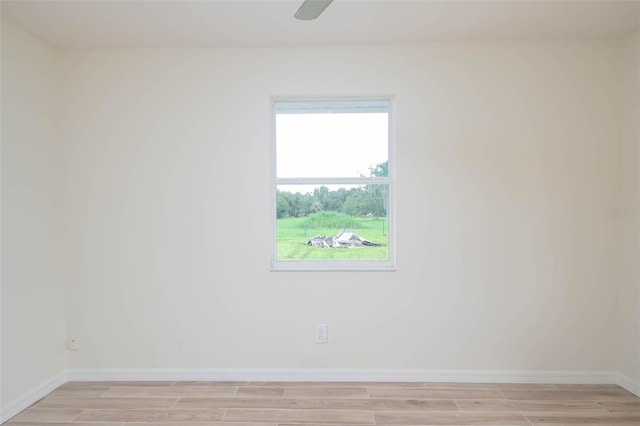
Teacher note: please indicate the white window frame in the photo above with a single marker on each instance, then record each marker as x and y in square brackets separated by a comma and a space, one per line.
[335, 265]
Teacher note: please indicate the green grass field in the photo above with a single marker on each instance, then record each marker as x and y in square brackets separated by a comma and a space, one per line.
[292, 240]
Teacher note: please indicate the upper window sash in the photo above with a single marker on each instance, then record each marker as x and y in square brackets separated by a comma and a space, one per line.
[341, 145]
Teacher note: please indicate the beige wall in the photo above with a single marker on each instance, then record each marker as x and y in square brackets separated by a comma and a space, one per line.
[628, 224]
[157, 191]
[507, 156]
[33, 288]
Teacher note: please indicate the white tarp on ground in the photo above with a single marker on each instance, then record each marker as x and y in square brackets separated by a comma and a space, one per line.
[342, 240]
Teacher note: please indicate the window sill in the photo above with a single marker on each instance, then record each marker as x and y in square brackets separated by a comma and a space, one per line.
[301, 266]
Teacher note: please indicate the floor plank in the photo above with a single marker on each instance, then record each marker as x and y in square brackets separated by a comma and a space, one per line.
[299, 416]
[329, 392]
[79, 392]
[485, 405]
[260, 391]
[422, 418]
[571, 420]
[86, 403]
[431, 393]
[326, 404]
[37, 414]
[198, 424]
[571, 395]
[221, 383]
[48, 423]
[169, 391]
[126, 416]
[621, 407]
[77, 384]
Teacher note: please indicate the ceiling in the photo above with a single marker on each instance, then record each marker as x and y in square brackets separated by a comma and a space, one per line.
[241, 23]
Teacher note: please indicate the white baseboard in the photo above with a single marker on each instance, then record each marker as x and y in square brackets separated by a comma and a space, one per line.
[17, 405]
[630, 385]
[345, 375]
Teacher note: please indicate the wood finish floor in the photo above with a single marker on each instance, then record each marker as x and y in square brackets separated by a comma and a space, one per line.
[313, 404]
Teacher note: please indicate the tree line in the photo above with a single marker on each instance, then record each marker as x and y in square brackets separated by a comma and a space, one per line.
[364, 200]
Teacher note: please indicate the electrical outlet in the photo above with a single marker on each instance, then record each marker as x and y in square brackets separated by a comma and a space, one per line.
[73, 345]
[321, 333]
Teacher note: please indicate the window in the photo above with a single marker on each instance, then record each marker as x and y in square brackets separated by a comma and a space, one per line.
[332, 184]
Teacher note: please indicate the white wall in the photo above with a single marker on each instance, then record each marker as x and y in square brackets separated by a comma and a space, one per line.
[507, 155]
[629, 204]
[33, 289]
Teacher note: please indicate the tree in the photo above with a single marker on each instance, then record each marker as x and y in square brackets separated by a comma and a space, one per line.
[379, 194]
[321, 195]
[283, 209]
[380, 170]
[350, 206]
[360, 201]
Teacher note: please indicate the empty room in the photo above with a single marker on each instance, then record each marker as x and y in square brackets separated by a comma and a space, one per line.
[347, 212]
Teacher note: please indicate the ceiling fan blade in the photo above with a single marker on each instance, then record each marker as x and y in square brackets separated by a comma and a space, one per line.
[311, 9]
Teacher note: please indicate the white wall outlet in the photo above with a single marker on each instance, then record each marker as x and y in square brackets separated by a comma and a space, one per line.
[321, 333]
[73, 345]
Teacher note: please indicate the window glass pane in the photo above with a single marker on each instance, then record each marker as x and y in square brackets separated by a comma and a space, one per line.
[332, 222]
[326, 141]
